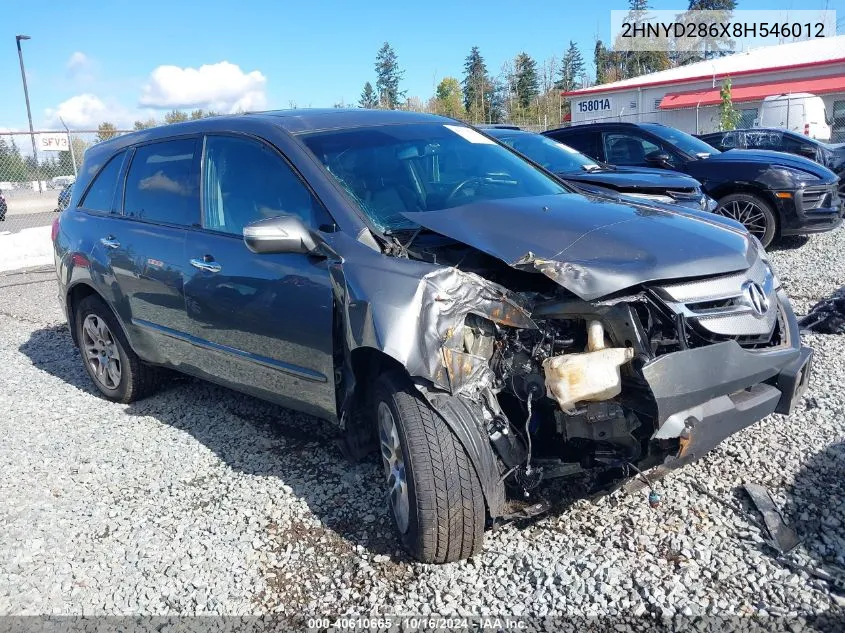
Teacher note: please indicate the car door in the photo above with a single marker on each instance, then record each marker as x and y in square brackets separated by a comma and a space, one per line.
[262, 321]
[160, 202]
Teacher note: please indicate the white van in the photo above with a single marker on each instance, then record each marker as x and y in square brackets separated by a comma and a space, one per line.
[799, 112]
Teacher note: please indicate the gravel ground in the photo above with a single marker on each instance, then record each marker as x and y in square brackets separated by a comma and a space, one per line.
[201, 500]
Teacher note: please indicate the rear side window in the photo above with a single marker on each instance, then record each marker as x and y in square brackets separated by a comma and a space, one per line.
[163, 184]
[101, 193]
[584, 142]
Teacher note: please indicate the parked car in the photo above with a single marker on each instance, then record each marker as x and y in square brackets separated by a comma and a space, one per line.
[64, 197]
[432, 294]
[3, 208]
[645, 183]
[799, 112]
[771, 193]
[830, 155]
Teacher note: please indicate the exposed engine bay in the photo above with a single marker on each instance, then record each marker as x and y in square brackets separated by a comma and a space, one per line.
[569, 396]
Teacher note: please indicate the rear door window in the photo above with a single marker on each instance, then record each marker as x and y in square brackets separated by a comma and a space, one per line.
[101, 194]
[163, 183]
[585, 142]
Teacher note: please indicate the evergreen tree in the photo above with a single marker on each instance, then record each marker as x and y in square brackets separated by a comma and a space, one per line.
[525, 81]
[368, 97]
[600, 59]
[571, 69]
[698, 49]
[475, 85]
[388, 76]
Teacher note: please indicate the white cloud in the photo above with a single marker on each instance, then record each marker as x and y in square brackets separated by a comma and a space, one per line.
[80, 112]
[78, 61]
[223, 87]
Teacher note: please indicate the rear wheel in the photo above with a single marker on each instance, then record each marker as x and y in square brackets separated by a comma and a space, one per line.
[113, 367]
[753, 213]
[433, 491]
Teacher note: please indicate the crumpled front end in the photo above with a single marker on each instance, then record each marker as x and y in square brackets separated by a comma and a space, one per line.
[538, 379]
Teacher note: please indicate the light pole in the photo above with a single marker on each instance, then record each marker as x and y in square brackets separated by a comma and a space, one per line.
[18, 39]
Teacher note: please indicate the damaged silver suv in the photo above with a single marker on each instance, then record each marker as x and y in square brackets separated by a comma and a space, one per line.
[430, 292]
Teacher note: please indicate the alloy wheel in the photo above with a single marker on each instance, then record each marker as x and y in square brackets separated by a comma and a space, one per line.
[394, 467]
[747, 213]
[101, 353]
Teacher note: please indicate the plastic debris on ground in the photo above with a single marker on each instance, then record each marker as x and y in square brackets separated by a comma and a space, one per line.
[827, 316]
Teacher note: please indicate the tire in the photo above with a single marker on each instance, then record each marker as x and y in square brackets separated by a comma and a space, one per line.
[445, 514]
[127, 378]
[754, 213]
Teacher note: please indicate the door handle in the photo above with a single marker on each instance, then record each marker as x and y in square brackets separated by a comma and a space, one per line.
[208, 266]
[109, 242]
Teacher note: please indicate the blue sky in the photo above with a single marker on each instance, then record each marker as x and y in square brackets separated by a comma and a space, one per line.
[91, 63]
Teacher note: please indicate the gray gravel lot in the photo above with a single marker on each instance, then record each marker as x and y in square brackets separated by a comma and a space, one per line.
[201, 500]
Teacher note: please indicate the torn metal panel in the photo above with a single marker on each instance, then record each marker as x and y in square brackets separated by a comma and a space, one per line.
[414, 312]
[594, 247]
[783, 537]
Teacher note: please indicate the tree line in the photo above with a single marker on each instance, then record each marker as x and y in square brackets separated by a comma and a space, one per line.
[527, 91]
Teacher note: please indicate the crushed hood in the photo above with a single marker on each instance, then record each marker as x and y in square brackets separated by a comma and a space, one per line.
[593, 247]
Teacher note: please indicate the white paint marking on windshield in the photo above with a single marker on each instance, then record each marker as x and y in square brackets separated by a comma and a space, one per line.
[469, 134]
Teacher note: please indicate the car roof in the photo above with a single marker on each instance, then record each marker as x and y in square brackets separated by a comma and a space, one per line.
[506, 131]
[603, 124]
[296, 121]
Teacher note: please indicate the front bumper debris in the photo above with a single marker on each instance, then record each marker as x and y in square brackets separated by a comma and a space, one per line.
[757, 388]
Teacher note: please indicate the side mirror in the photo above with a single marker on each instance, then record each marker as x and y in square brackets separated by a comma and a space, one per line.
[282, 234]
[661, 158]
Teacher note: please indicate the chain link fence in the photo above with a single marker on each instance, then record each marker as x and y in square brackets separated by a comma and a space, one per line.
[33, 185]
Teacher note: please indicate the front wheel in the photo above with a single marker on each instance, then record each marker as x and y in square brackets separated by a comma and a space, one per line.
[753, 213]
[433, 491]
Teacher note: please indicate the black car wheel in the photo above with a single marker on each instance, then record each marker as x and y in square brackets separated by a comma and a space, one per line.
[434, 494]
[111, 364]
[753, 213]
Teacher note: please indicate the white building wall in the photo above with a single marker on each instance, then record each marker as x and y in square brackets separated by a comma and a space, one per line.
[641, 104]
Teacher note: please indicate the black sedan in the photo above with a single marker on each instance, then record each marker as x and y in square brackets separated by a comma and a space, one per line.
[830, 155]
[646, 183]
[771, 193]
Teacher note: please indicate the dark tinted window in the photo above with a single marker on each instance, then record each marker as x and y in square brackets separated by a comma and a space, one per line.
[246, 181]
[584, 142]
[162, 185]
[628, 149]
[101, 194]
[547, 152]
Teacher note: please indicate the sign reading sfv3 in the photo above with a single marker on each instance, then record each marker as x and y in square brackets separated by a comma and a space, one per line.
[53, 142]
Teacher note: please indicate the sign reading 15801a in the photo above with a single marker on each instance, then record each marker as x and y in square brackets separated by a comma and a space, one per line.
[594, 105]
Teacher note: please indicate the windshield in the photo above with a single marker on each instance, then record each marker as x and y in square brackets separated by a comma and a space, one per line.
[550, 154]
[683, 141]
[392, 169]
